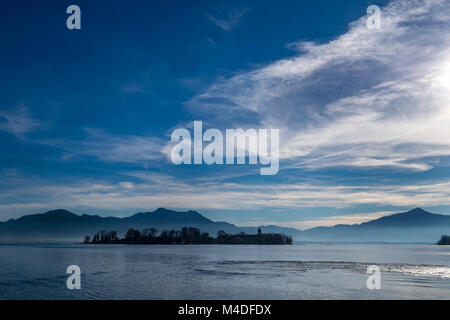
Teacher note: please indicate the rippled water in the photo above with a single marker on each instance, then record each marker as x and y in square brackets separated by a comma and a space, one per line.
[312, 271]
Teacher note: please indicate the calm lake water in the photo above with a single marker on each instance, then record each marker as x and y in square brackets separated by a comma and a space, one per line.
[311, 271]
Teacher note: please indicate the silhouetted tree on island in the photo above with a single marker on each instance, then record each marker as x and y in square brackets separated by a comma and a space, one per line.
[187, 235]
[103, 237]
[150, 232]
[133, 236]
[445, 240]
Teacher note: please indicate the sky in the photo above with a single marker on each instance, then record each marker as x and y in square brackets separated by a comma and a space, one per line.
[86, 115]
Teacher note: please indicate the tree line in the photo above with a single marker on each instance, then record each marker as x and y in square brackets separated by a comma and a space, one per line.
[187, 235]
[444, 241]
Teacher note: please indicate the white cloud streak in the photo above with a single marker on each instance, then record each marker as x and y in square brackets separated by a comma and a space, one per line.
[228, 19]
[111, 148]
[364, 96]
[18, 121]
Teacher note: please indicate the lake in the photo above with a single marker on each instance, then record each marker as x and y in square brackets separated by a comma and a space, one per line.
[309, 271]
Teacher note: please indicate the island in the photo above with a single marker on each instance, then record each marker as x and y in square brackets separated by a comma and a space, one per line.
[187, 235]
[444, 241]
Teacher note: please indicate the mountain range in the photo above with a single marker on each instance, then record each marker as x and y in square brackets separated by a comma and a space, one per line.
[416, 225]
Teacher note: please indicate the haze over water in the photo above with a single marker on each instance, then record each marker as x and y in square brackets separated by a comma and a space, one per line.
[311, 271]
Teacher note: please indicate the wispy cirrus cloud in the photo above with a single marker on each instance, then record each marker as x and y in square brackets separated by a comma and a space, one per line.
[370, 97]
[111, 148]
[18, 121]
[228, 18]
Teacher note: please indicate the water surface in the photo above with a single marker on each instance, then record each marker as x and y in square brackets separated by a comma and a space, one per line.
[311, 271]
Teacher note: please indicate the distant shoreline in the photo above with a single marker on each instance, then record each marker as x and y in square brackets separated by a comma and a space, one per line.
[187, 236]
[75, 242]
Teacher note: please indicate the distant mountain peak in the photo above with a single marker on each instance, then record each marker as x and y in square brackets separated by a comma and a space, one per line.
[418, 211]
[163, 210]
[52, 215]
[59, 212]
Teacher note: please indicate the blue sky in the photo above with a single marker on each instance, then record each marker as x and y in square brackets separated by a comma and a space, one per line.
[86, 115]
